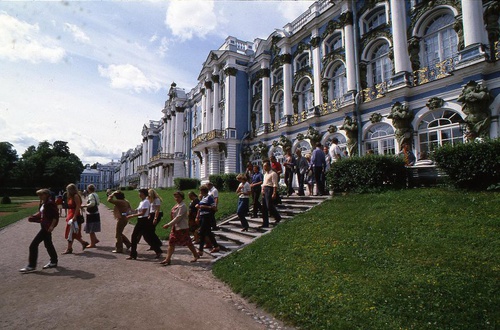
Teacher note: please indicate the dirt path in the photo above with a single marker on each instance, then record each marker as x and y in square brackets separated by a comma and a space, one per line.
[97, 289]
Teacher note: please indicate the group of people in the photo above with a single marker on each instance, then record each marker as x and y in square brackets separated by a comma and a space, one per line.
[197, 220]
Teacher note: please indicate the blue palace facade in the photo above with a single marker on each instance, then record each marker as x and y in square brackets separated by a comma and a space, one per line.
[375, 74]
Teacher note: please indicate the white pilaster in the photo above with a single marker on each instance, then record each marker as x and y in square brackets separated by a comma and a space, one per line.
[213, 158]
[266, 91]
[473, 24]
[208, 100]
[287, 84]
[350, 56]
[204, 112]
[216, 110]
[230, 165]
[400, 46]
[179, 124]
[316, 64]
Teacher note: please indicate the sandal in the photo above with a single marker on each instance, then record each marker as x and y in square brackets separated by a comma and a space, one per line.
[68, 251]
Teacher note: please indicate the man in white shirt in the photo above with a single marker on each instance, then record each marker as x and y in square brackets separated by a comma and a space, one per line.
[212, 191]
[140, 229]
[335, 152]
[269, 195]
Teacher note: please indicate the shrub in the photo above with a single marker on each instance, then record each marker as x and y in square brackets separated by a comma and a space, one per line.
[6, 200]
[217, 180]
[230, 182]
[473, 166]
[186, 183]
[368, 173]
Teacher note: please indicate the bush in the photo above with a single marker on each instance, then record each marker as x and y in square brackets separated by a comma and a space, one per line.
[217, 180]
[368, 173]
[186, 183]
[473, 166]
[230, 182]
[6, 200]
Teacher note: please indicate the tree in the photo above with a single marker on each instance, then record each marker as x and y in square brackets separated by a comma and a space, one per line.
[49, 166]
[8, 161]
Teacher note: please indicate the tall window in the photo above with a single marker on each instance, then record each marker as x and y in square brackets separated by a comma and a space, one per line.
[305, 95]
[257, 109]
[280, 108]
[381, 65]
[380, 139]
[374, 19]
[438, 128]
[302, 62]
[339, 82]
[257, 87]
[333, 43]
[277, 76]
[440, 40]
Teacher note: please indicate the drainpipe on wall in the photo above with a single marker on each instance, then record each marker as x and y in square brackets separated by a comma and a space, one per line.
[357, 97]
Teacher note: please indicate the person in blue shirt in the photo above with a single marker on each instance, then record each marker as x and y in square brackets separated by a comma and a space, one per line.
[318, 163]
[256, 185]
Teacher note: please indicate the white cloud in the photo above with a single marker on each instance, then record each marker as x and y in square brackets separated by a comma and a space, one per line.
[78, 34]
[127, 76]
[153, 38]
[164, 45]
[21, 41]
[188, 19]
[290, 10]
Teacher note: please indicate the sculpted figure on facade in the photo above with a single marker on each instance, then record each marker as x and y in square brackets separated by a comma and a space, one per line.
[285, 143]
[295, 102]
[313, 135]
[401, 120]
[350, 127]
[434, 103]
[262, 149]
[475, 99]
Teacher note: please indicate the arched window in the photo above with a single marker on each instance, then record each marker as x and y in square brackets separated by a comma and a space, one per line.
[302, 62]
[439, 127]
[440, 40]
[305, 147]
[380, 139]
[305, 95]
[279, 154]
[342, 141]
[333, 43]
[277, 76]
[374, 19]
[280, 107]
[339, 82]
[257, 110]
[380, 64]
[257, 87]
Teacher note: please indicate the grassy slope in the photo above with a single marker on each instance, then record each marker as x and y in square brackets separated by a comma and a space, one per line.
[425, 258]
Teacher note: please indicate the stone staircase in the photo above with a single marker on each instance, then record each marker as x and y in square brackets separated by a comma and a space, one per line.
[231, 238]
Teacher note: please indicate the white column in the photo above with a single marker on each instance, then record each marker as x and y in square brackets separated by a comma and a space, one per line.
[171, 125]
[350, 56]
[472, 18]
[287, 83]
[266, 91]
[204, 112]
[144, 151]
[161, 178]
[316, 64]
[213, 158]
[208, 100]
[400, 47]
[164, 145]
[179, 124]
[230, 105]
[230, 165]
[216, 111]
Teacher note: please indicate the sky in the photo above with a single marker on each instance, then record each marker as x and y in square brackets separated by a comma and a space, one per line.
[92, 73]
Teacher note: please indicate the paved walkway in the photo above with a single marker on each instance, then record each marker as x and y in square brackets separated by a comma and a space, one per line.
[97, 289]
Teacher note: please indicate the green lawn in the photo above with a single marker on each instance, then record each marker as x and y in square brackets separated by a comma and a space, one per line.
[412, 259]
[18, 212]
